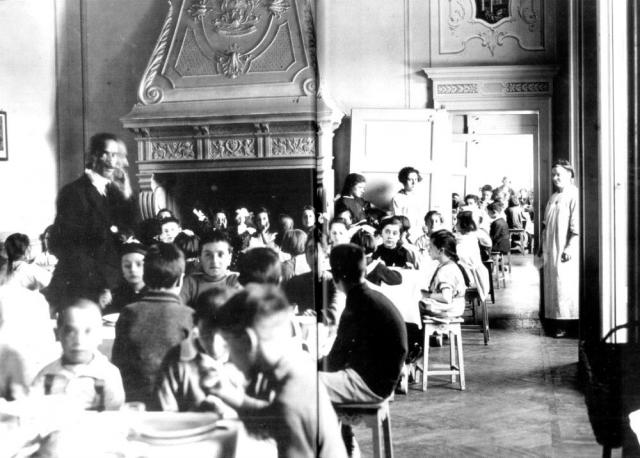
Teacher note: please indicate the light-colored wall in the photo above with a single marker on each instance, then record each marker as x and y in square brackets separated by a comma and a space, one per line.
[105, 45]
[28, 180]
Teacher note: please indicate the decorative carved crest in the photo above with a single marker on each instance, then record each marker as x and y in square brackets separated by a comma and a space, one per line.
[293, 146]
[232, 148]
[235, 17]
[491, 22]
[171, 151]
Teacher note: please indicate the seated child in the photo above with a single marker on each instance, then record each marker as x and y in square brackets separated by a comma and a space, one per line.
[215, 258]
[131, 288]
[204, 352]
[146, 330]
[299, 416]
[263, 237]
[391, 252]
[20, 271]
[377, 273]
[189, 244]
[445, 297]
[169, 228]
[499, 231]
[46, 259]
[260, 265]
[82, 372]
[338, 232]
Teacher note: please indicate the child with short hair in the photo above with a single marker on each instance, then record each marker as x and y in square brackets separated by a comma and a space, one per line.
[204, 352]
[391, 251]
[215, 259]
[189, 244]
[169, 228]
[146, 330]
[256, 324]
[82, 372]
[132, 287]
[260, 265]
[19, 270]
[499, 230]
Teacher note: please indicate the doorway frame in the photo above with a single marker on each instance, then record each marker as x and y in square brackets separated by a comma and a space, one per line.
[508, 89]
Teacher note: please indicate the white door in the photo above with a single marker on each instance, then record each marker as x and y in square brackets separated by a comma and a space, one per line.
[385, 140]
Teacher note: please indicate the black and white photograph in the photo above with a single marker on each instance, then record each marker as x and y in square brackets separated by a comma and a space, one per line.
[319, 228]
[4, 153]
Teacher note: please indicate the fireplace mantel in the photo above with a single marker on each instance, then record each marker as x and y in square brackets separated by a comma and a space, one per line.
[232, 87]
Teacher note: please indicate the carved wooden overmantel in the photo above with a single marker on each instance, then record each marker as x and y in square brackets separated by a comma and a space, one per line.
[493, 32]
[232, 85]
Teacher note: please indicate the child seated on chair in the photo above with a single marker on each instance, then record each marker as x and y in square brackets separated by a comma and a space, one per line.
[445, 297]
[255, 323]
[202, 353]
[392, 252]
[131, 287]
[215, 259]
[82, 372]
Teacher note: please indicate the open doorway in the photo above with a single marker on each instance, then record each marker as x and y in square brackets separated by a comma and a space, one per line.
[501, 149]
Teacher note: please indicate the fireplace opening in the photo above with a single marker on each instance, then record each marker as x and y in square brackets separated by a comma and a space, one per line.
[278, 190]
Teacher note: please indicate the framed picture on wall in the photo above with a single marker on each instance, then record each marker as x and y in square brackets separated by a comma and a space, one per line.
[4, 153]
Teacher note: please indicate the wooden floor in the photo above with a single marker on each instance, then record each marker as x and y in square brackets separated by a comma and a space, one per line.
[521, 400]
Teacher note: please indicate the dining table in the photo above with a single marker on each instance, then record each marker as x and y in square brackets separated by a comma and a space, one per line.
[53, 426]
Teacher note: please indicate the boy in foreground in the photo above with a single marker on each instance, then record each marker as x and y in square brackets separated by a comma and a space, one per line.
[82, 372]
[256, 324]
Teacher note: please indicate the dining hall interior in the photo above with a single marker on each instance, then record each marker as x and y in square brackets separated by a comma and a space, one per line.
[222, 106]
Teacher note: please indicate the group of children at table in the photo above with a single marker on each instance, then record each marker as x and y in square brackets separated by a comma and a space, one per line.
[175, 357]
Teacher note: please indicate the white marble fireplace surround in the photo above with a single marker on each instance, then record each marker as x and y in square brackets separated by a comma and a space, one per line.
[232, 88]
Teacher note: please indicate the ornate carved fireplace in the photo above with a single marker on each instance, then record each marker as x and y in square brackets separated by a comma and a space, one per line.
[231, 86]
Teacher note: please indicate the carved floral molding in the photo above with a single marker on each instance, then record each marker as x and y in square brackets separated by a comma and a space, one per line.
[172, 150]
[460, 25]
[232, 148]
[293, 146]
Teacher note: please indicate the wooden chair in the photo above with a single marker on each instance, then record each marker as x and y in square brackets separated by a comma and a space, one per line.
[500, 268]
[374, 415]
[456, 360]
[477, 306]
[517, 239]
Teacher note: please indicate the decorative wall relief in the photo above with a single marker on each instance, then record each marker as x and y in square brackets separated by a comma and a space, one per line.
[293, 146]
[147, 92]
[172, 150]
[489, 31]
[232, 148]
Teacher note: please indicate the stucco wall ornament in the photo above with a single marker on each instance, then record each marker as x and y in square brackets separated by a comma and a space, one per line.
[232, 148]
[492, 23]
[293, 146]
[172, 150]
[147, 92]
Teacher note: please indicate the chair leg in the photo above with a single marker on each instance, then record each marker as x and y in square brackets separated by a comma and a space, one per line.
[386, 431]
[425, 356]
[485, 321]
[458, 338]
[377, 439]
[452, 355]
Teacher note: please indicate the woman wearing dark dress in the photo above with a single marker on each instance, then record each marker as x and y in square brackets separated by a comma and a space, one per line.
[351, 197]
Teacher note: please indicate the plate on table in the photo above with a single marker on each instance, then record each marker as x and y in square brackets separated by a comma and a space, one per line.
[110, 319]
[169, 426]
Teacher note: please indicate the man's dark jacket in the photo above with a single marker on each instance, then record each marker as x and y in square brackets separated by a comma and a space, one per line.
[85, 238]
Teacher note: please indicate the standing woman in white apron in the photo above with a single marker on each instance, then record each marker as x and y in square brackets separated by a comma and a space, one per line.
[559, 249]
